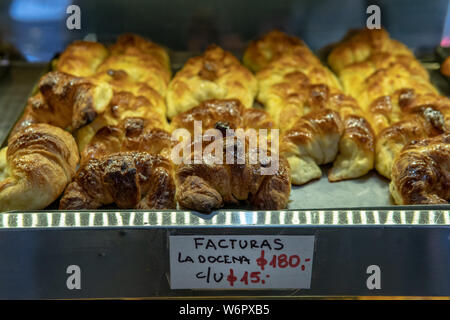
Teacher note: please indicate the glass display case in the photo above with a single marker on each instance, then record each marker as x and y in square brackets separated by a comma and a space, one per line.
[363, 243]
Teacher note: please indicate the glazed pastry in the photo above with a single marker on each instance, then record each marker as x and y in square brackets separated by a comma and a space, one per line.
[425, 122]
[228, 111]
[358, 45]
[125, 105]
[208, 185]
[133, 44]
[223, 178]
[129, 180]
[132, 134]
[421, 172]
[393, 89]
[81, 58]
[38, 163]
[65, 101]
[272, 46]
[293, 84]
[216, 74]
[385, 93]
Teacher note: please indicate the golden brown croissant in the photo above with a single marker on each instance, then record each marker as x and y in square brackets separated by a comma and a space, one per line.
[132, 134]
[38, 163]
[207, 185]
[294, 83]
[272, 46]
[425, 122]
[216, 74]
[124, 105]
[128, 179]
[358, 45]
[227, 111]
[311, 141]
[65, 101]
[81, 58]
[421, 172]
[132, 44]
[393, 89]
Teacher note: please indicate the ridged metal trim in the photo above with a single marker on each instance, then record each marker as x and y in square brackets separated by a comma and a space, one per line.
[223, 218]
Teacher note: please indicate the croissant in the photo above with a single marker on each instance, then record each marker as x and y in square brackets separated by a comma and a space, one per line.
[312, 140]
[65, 101]
[35, 167]
[127, 179]
[205, 186]
[293, 83]
[226, 111]
[393, 88]
[216, 74]
[81, 58]
[421, 172]
[132, 44]
[272, 46]
[358, 45]
[132, 134]
[425, 122]
[123, 105]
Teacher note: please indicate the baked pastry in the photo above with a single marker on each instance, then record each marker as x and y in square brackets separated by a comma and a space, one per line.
[133, 44]
[226, 111]
[238, 170]
[35, 167]
[272, 46]
[422, 121]
[358, 45]
[206, 185]
[216, 74]
[293, 84]
[421, 172]
[131, 134]
[148, 105]
[392, 88]
[81, 58]
[65, 101]
[386, 92]
[129, 180]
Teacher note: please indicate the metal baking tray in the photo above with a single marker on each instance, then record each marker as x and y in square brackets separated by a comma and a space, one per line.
[371, 190]
[355, 224]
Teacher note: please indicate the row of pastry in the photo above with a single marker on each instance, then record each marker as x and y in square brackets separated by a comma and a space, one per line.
[97, 133]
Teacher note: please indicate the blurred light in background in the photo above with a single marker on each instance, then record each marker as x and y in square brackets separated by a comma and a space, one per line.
[445, 42]
[38, 10]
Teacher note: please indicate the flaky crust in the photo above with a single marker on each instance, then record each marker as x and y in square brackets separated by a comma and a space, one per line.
[393, 89]
[206, 186]
[65, 101]
[38, 163]
[227, 111]
[216, 74]
[293, 84]
[129, 180]
[208, 182]
[81, 58]
[421, 172]
[358, 45]
[123, 105]
[426, 121]
[133, 44]
[132, 134]
[272, 46]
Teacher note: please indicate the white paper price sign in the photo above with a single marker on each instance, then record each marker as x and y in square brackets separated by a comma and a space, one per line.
[241, 262]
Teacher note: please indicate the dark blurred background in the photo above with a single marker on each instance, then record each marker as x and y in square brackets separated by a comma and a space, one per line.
[37, 28]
